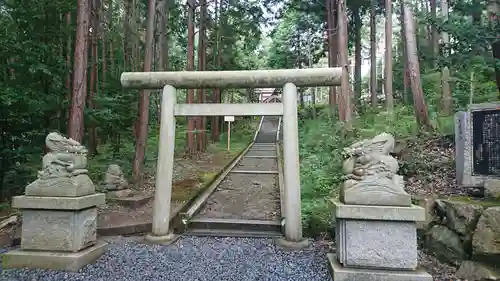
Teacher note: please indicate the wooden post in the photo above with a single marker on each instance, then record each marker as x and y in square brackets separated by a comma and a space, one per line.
[229, 119]
[228, 136]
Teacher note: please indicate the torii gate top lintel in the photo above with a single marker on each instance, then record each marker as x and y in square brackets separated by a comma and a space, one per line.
[307, 77]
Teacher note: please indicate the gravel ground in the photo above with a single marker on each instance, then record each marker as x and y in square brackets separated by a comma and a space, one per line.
[438, 270]
[193, 259]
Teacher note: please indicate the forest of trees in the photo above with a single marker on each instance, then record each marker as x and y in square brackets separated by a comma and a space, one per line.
[62, 61]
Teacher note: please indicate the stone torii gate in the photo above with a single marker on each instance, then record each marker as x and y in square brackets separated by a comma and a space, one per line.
[289, 79]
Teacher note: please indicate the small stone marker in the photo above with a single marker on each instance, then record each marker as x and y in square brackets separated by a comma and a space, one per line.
[376, 231]
[59, 212]
[477, 144]
[229, 119]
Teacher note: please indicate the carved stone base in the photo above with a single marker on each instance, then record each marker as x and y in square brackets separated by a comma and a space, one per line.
[391, 232]
[53, 260]
[58, 223]
[49, 230]
[377, 244]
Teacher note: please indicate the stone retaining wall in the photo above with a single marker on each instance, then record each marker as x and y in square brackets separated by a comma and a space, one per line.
[459, 230]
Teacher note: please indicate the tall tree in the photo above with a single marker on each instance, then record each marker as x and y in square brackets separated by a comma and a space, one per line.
[345, 97]
[434, 32]
[357, 54]
[142, 136]
[94, 68]
[406, 81]
[331, 16]
[201, 128]
[389, 100]
[191, 145]
[218, 56]
[79, 93]
[445, 73]
[494, 15]
[373, 53]
[421, 112]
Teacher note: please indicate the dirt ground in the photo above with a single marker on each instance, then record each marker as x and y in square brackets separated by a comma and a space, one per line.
[189, 177]
[428, 166]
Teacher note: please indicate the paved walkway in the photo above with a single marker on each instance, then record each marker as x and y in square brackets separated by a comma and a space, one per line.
[267, 133]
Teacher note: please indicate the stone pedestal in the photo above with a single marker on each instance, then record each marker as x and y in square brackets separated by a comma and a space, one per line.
[376, 243]
[58, 232]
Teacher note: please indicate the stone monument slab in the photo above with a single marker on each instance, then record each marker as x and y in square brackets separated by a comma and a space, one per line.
[462, 140]
[51, 230]
[477, 140]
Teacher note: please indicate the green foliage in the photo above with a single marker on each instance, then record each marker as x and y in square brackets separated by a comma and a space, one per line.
[297, 39]
[34, 99]
[320, 147]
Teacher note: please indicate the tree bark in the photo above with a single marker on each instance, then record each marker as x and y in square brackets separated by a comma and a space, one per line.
[389, 100]
[357, 56]
[112, 63]
[79, 92]
[373, 53]
[201, 128]
[191, 145]
[94, 23]
[162, 47]
[142, 136]
[445, 73]
[128, 48]
[421, 112]
[217, 59]
[447, 98]
[434, 33]
[345, 97]
[406, 79]
[332, 48]
[493, 12]
[68, 57]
